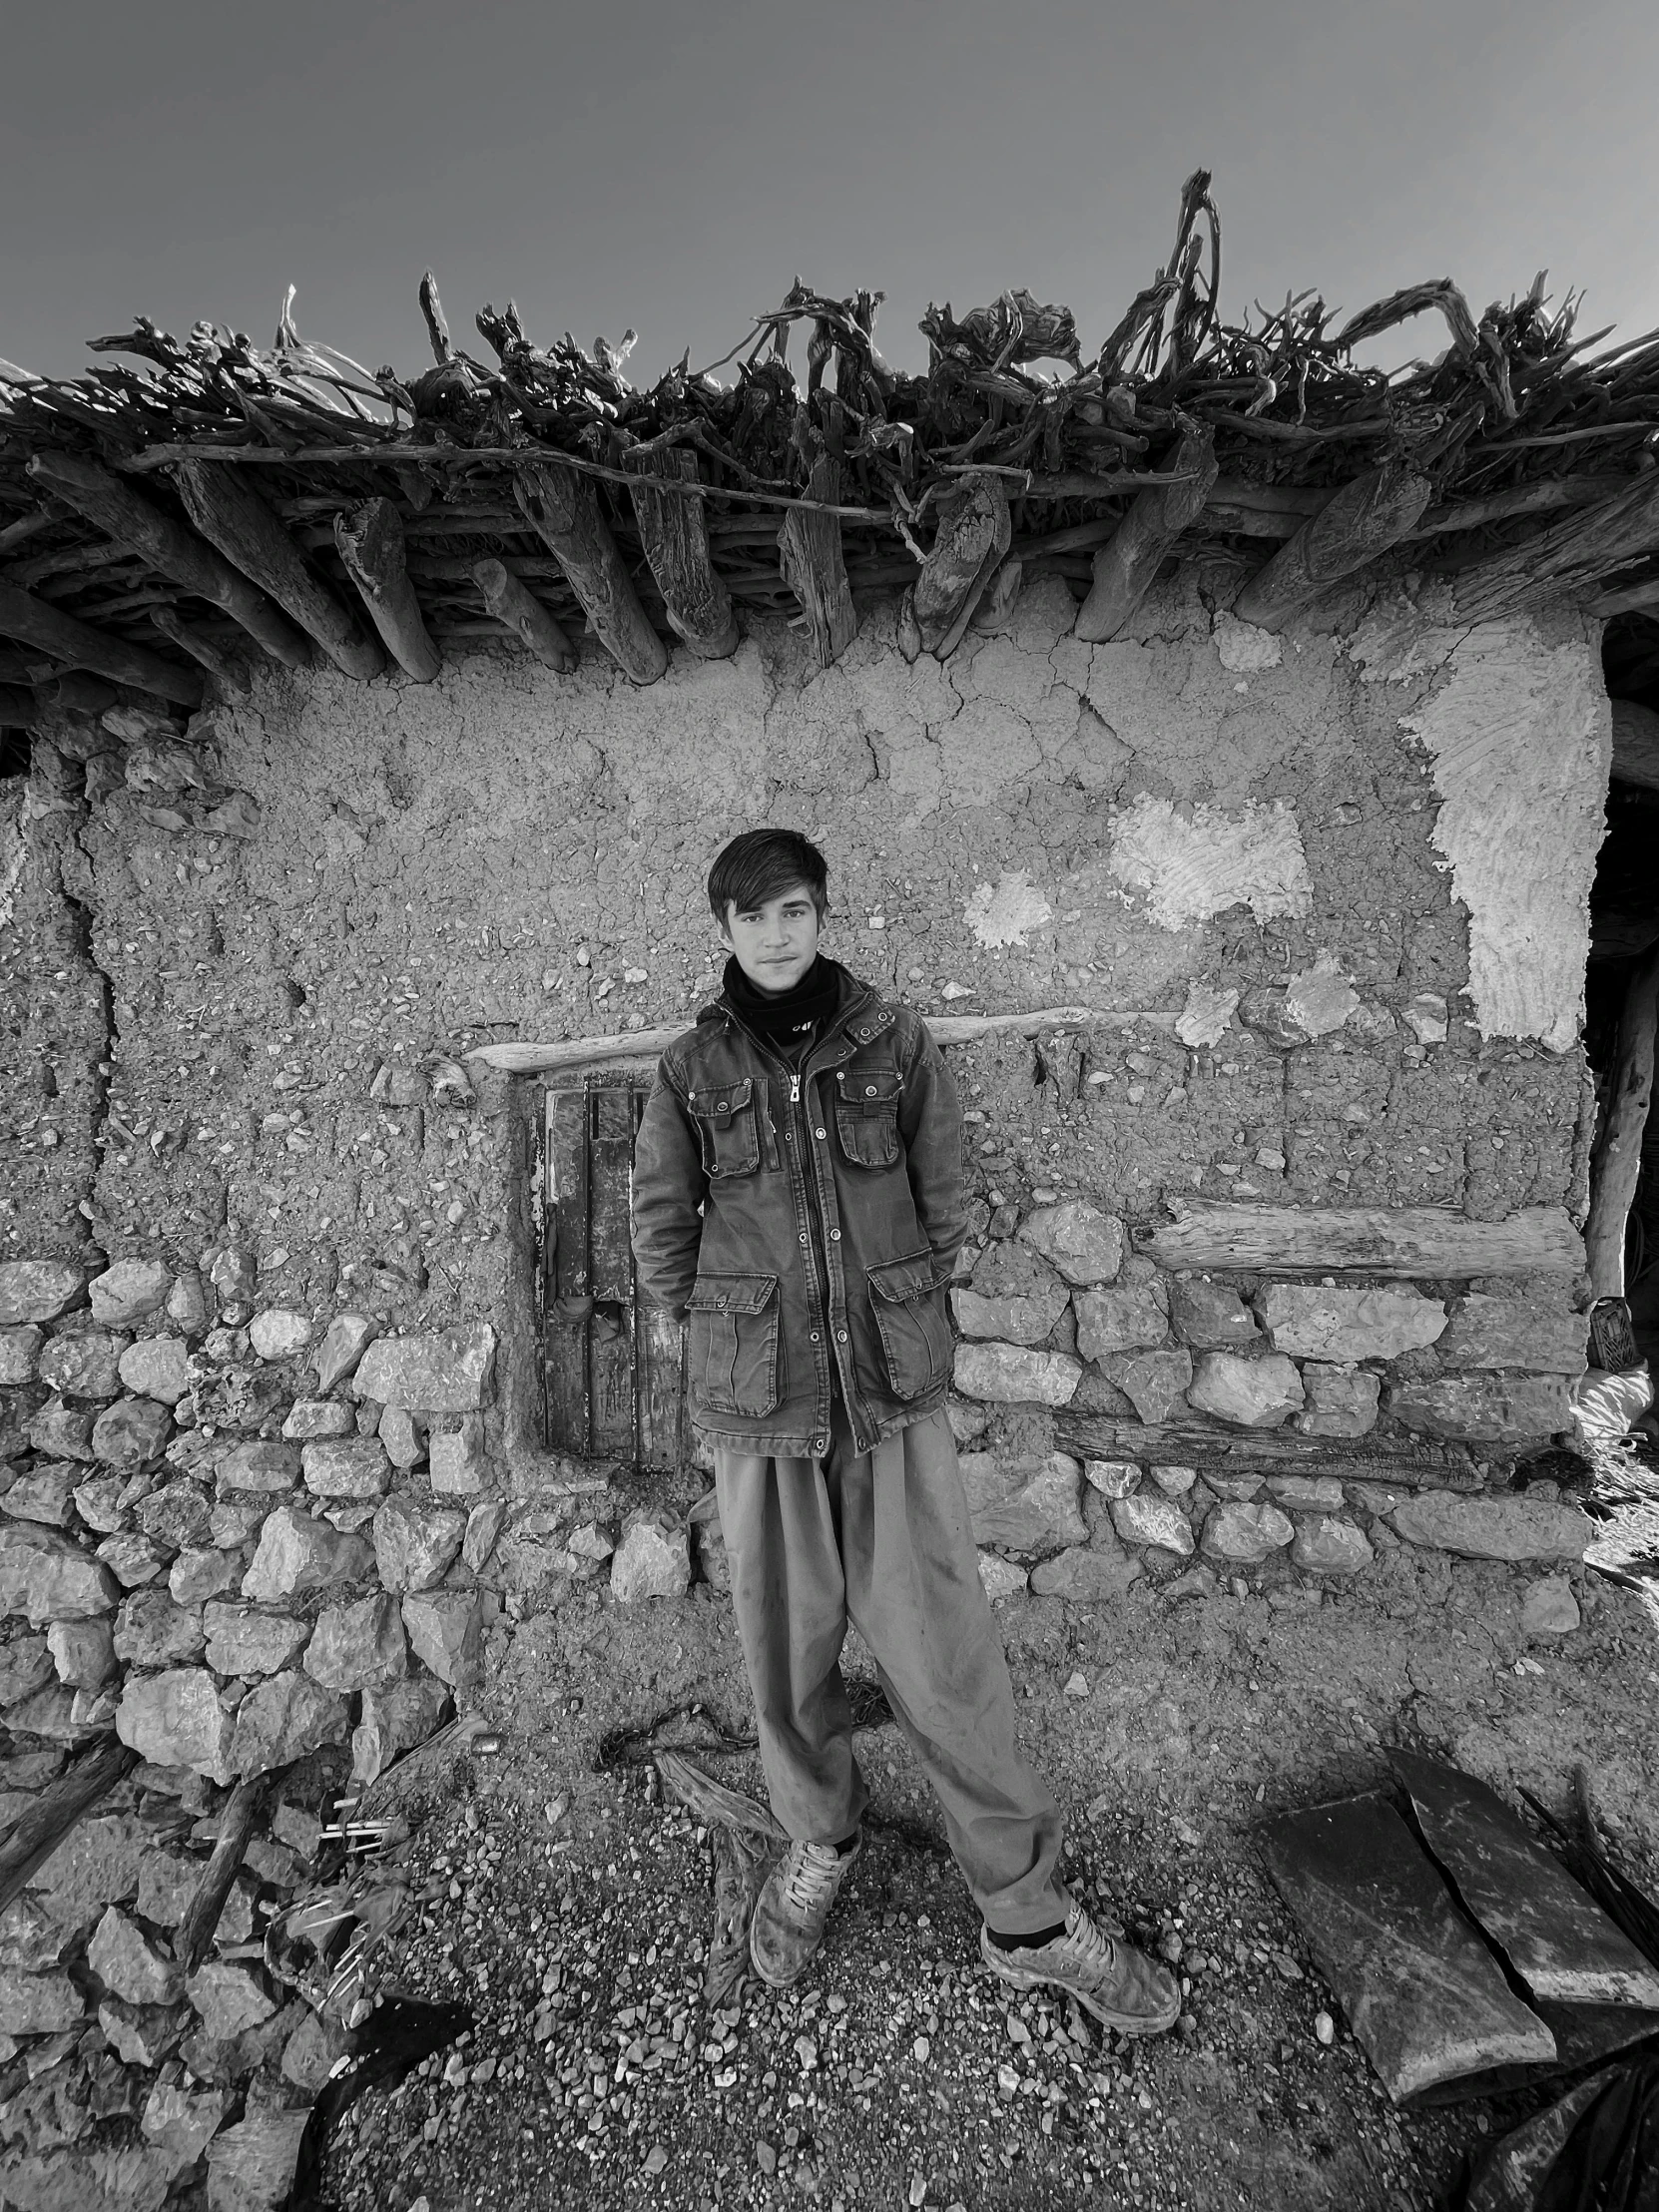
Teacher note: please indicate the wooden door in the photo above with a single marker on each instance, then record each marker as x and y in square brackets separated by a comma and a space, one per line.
[613, 1366]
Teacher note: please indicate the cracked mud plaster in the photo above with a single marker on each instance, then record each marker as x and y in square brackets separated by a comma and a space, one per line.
[505, 853]
[1518, 729]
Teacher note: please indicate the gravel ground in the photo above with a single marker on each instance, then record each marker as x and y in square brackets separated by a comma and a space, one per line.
[571, 1908]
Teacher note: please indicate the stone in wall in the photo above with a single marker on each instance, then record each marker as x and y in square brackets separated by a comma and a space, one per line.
[48, 1577]
[446, 1629]
[1211, 1317]
[242, 1640]
[158, 1367]
[1012, 1375]
[1249, 1393]
[130, 1433]
[396, 1717]
[358, 1644]
[39, 1290]
[285, 1717]
[1514, 1332]
[1331, 1544]
[44, 1493]
[456, 1465]
[84, 1362]
[298, 1553]
[176, 1719]
[19, 1354]
[1086, 1575]
[1141, 1519]
[1155, 1383]
[277, 1334]
[345, 1340]
[652, 1560]
[1316, 1323]
[1340, 1401]
[1485, 1407]
[1510, 1525]
[1083, 1242]
[261, 1465]
[1013, 1295]
[415, 1544]
[1124, 1319]
[345, 1467]
[127, 1291]
[1246, 1534]
[437, 1374]
[1022, 1503]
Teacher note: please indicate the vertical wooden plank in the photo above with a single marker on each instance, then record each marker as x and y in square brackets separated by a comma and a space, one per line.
[611, 1333]
[570, 1422]
[660, 1376]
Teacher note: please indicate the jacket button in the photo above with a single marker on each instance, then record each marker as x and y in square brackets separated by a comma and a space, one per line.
[804, 1236]
[820, 1443]
[724, 1303]
[820, 1132]
[840, 1335]
[869, 1090]
[813, 1337]
[834, 1235]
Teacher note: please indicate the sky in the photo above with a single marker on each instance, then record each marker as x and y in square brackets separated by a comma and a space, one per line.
[672, 167]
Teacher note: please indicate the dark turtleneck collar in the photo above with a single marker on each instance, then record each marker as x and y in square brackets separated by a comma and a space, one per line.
[785, 1019]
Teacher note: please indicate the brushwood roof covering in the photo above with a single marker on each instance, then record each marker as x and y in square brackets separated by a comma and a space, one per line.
[1519, 427]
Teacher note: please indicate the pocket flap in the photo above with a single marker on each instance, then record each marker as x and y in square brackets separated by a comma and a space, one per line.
[733, 1294]
[900, 1279]
[722, 1099]
[868, 1088]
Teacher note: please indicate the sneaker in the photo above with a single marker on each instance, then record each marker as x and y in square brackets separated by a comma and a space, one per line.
[1120, 1985]
[793, 1907]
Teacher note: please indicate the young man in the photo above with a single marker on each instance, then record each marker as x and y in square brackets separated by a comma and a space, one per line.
[798, 1199]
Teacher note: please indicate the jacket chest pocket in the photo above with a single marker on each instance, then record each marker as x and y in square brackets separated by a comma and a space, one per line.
[727, 1125]
[732, 1348]
[866, 1116]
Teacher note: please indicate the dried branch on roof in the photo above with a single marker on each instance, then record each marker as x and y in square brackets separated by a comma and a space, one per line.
[800, 482]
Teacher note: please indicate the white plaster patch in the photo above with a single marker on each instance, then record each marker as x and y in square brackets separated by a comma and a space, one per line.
[1521, 736]
[1190, 862]
[1243, 648]
[1397, 643]
[1007, 913]
[12, 849]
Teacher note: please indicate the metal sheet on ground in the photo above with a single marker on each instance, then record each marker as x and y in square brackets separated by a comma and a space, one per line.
[1421, 1993]
[1559, 1942]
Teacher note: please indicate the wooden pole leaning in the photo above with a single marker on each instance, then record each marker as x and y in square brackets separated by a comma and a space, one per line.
[674, 531]
[1361, 521]
[233, 517]
[560, 506]
[164, 544]
[973, 535]
[1126, 566]
[370, 540]
[1616, 1161]
[78, 645]
[810, 557]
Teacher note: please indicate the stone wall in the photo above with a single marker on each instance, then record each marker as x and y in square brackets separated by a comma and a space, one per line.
[268, 1362]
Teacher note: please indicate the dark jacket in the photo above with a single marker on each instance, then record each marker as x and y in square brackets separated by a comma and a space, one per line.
[803, 1224]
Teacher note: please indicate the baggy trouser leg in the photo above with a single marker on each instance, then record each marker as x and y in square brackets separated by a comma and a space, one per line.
[788, 1597]
[914, 1593]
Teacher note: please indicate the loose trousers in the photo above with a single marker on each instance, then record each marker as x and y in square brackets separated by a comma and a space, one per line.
[883, 1540]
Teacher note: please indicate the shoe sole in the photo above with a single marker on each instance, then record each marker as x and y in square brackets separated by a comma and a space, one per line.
[1122, 2023]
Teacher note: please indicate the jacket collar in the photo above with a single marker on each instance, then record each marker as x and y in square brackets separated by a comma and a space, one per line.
[861, 1015]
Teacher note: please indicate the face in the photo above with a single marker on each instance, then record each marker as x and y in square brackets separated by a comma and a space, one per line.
[774, 943]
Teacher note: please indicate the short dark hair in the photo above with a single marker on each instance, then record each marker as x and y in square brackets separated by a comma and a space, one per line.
[761, 862]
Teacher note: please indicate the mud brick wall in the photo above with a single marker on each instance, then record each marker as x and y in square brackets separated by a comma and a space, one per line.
[267, 1250]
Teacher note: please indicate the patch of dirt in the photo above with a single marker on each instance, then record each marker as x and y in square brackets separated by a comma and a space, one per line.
[897, 2071]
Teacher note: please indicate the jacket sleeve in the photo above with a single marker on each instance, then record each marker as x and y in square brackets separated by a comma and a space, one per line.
[669, 1188]
[930, 1123]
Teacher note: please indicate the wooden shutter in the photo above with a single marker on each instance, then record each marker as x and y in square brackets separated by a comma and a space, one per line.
[613, 1366]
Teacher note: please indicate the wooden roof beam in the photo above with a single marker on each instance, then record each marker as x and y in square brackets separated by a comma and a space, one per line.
[973, 535]
[77, 644]
[1361, 520]
[370, 538]
[1125, 567]
[809, 556]
[518, 610]
[233, 517]
[674, 531]
[128, 519]
[227, 669]
[560, 505]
